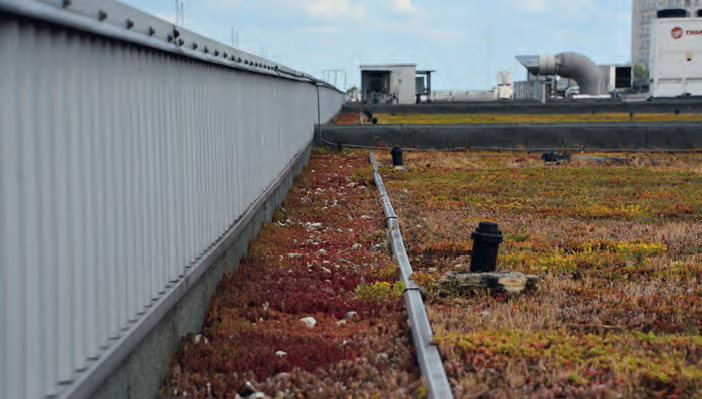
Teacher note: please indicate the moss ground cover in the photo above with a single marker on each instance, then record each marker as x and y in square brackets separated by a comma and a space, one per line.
[324, 256]
[618, 249]
[441, 119]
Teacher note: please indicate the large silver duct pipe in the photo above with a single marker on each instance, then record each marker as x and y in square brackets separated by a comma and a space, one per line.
[568, 65]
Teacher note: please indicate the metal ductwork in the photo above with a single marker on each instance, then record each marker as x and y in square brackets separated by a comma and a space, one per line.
[568, 65]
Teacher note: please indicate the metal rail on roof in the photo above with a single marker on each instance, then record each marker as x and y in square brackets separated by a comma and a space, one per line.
[428, 356]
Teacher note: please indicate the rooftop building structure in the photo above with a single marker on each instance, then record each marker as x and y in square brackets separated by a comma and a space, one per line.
[394, 84]
[644, 12]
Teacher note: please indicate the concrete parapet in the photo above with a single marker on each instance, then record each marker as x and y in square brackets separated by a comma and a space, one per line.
[535, 108]
[624, 135]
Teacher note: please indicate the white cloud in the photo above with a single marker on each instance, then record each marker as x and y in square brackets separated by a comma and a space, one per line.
[540, 6]
[405, 6]
[336, 8]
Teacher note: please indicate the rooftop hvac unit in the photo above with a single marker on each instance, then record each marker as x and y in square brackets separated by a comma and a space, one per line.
[567, 65]
[676, 63]
[504, 78]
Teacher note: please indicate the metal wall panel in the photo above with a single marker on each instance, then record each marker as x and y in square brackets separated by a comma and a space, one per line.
[529, 90]
[120, 165]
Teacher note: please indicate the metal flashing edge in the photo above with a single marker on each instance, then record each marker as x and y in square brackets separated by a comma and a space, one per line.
[167, 37]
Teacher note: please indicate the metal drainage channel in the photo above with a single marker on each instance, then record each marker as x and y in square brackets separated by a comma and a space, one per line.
[428, 357]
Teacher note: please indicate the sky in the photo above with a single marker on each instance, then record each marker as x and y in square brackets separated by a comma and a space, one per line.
[466, 41]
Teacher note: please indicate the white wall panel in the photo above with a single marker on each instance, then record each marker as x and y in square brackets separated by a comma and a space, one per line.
[120, 165]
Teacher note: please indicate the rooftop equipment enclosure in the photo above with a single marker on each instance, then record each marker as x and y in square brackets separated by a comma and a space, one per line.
[567, 65]
[386, 84]
[676, 59]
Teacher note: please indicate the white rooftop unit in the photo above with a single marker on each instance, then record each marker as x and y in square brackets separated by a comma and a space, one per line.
[394, 84]
[504, 89]
[676, 57]
[384, 84]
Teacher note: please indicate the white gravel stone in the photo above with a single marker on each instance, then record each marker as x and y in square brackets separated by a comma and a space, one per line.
[309, 321]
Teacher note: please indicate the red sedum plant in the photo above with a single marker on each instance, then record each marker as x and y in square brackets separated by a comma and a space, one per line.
[325, 245]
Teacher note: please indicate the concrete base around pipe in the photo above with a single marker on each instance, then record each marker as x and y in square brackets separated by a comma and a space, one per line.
[639, 136]
[141, 374]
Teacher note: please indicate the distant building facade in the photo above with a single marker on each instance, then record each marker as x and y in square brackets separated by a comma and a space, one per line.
[643, 14]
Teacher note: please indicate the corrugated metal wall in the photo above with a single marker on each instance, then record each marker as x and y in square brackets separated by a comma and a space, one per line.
[529, 90]
[119, 166]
